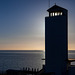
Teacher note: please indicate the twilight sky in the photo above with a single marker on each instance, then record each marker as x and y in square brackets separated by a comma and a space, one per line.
[22, 23]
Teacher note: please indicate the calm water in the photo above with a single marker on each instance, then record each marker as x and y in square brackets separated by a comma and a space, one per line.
[71, 54]
[20, 59]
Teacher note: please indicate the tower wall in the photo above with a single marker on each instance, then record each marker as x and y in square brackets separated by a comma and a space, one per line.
[56, 44]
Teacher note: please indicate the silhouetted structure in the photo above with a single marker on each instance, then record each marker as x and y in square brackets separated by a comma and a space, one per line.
[56, 41]
[25, 71]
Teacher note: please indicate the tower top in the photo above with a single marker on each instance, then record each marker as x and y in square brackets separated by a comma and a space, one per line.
[56, 8]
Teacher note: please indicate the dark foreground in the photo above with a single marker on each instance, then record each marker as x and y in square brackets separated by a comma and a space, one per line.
[24, 72]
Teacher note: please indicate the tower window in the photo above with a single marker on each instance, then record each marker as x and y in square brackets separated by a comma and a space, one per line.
[56, 14]
[50, 14]
[53, 13]
[61, 13]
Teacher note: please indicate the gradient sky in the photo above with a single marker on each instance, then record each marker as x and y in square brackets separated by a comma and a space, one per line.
[22, 23]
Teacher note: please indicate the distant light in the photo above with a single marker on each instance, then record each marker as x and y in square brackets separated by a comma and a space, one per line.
[56, 14]
[53, 13]
[61, 13]
[50, 14]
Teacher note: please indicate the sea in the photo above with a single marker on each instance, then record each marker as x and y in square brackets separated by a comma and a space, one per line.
[20, 59]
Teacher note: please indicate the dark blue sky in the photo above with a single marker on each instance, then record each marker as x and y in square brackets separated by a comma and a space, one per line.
[22, 23]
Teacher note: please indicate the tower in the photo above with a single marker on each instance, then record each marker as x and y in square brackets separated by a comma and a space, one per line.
[56, 41]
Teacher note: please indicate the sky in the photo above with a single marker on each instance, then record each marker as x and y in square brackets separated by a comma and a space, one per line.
[22, 23]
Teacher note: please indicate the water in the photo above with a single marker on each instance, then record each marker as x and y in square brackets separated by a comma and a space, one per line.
[71, 54]
[19, 59]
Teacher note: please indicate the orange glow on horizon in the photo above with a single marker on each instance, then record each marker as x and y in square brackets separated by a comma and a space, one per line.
[24, 46]
[29, 46]
[71, 46]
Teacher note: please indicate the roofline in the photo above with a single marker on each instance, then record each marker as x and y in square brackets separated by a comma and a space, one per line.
[58, 6]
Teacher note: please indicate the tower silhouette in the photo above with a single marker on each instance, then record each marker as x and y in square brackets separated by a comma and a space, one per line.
[56, 41]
